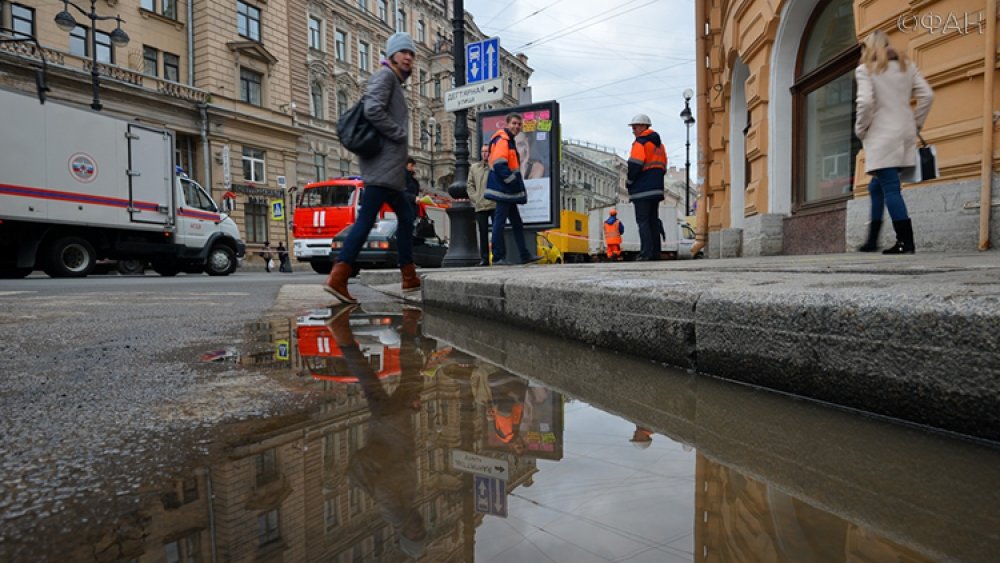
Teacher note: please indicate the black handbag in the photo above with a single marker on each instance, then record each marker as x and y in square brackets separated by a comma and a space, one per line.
[926, 168]
[357, 134]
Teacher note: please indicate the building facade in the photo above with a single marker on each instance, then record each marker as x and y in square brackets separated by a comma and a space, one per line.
[251, 88]
[785, 173]
[592, 176]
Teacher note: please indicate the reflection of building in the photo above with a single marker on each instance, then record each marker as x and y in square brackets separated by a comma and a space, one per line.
[784, 171]
[741, 519]
[592, 176]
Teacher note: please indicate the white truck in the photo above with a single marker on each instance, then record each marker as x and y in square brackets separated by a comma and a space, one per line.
[77, 186]
[679, 235]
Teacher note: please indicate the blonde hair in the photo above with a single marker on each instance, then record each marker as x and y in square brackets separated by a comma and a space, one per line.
[876, 52]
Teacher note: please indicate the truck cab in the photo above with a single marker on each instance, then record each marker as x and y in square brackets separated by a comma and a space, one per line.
[323, 210]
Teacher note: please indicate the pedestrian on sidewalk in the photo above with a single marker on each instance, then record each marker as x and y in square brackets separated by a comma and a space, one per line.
[888, 130]
[647, 165]
[613, 231]
[265, 254]
[505, 186]
[284, 264]
[479, 174]
[384, 173]
[412, 184]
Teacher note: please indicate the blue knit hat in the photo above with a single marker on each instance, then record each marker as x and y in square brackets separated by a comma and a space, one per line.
[397, 42]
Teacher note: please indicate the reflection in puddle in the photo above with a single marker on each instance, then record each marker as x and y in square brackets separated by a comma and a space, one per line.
[420, 450]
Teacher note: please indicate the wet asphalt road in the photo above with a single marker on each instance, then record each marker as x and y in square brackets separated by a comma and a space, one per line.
[102, 389]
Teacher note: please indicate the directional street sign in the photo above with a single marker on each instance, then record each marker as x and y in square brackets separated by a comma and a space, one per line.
[479, 464]
[473, 95]
[482, 60]
[491, 496]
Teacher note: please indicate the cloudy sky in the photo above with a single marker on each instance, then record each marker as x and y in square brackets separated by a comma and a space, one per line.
[603, 61]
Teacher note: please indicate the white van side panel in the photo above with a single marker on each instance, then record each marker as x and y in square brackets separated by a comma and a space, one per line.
[151, 174]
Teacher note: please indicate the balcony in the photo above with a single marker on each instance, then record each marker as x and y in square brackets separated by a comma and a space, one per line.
[113, 73]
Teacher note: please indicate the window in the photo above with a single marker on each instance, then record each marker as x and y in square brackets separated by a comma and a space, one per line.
[195, 197]
[421, 31]
[345, 167]
[363, 5]
[424, 136]
[250, 82]
[253, 165]
[341, 46]
[256, 214]
[78, 44]
[319, 162]
[423, 83]
[169, 9]
[105, 52]
[150, 58]
[171, 67]
[267, 527]
[341, 103]
[266, 461]
[148, 5]
[22, 19]
[316, 100]
[248, 20]
[364, 56]
[184, 550]
[823, 100]
[190, 490]
[400, 20]
[315, 33]
[437, 88]
[383, 12]
[330, 513]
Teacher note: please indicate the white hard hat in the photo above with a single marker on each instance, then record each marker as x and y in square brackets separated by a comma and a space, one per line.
[640, 119]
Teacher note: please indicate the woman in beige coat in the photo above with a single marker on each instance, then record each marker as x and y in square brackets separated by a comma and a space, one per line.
[888, 131]
[476, 187]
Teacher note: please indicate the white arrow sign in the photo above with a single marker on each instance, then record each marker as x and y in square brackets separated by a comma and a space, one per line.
[479, 464]
[473, 95]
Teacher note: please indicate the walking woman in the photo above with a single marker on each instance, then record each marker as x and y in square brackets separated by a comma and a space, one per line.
[888, 131]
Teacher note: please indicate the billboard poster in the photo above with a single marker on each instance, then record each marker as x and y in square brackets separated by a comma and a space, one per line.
[538, 148]
[524, 419]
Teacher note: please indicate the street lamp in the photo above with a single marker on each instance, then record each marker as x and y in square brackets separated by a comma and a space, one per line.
[66, 22]
[430, 135]
[688, 121]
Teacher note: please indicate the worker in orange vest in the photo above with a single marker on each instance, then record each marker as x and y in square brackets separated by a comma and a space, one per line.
[647, 165]
[613, 231]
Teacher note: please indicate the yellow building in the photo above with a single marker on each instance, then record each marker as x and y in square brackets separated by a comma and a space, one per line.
[783, 169]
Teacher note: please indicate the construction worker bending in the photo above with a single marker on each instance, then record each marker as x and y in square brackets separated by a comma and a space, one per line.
[647, 165]
[613, 231]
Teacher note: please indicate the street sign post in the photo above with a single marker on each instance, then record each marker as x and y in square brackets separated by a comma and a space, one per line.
[482, 60]
[491, 496]
[479, 464]
[473, 95]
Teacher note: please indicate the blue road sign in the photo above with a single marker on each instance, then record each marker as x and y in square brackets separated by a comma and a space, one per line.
[491, 496]
[482, 60]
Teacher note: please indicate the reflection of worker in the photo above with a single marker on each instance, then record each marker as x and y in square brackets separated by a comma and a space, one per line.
[506, 409]
[476, 187]
[386, 467]
[642, 437]
[530, 167]
[613, 231]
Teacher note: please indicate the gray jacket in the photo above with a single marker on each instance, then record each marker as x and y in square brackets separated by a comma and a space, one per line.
[385, 108]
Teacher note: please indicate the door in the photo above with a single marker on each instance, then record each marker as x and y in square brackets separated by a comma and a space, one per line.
[151, 174]
[197, 216]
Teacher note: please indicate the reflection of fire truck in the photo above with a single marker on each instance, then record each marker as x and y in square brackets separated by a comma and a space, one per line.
[375, 334]
[323, 210]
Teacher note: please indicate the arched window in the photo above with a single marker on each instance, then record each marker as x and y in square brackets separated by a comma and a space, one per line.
[316, 98]
[823, 101]
[341, 103]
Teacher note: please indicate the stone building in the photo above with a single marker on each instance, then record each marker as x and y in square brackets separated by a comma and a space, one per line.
[251, 88]
[591, 176]
[784, 171]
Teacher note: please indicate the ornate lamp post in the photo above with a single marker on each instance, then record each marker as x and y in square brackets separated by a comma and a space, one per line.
[119, 38]
[688, 121]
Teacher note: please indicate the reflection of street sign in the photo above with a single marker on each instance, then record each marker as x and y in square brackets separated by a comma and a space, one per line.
[281, 350]
[479, 464]
[277, 210]
[482, 60]
[473, 95]
[491, 496]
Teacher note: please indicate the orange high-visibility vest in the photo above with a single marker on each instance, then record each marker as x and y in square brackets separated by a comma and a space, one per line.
[611, 234]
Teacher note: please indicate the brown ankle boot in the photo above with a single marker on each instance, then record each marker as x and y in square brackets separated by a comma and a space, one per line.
[411, 281]
[336, 284]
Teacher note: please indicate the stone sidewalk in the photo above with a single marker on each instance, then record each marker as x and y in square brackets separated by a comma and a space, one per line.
[910, 337]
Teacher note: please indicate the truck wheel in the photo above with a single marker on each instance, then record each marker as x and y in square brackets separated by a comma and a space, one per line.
[14, 273]
[321, 267]
[166, 269]
[221, 261]
[131, 267]
[70, 257]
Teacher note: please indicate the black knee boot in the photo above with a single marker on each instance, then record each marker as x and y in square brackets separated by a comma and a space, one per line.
[873, 230]
[904, 238]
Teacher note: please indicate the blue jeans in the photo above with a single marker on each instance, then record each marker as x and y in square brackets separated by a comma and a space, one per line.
[885, 191]
[649, 228]
[372, 200]
[504, 212]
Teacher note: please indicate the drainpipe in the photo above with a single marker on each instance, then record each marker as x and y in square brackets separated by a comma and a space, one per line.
[206, 152]
[989, 70]
[701, 48]
[190, 41]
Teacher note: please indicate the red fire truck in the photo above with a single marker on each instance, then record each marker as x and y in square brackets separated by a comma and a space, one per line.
[323, 210]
